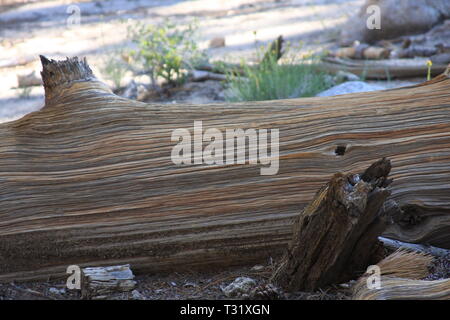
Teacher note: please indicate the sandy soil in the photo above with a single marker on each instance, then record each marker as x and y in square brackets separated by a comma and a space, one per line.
[45, 27]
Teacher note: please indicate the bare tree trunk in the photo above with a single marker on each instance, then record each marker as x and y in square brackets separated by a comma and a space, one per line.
[89, 179]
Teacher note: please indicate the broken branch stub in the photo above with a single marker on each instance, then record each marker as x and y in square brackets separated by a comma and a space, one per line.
[335, 236]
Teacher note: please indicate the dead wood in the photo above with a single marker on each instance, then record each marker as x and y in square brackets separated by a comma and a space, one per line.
[88, 179]
[400, 277]
[404, 289]
[383, 69]
[335, 236]
[396, 244]
[103, 282]
[362, 51]
[274, 51]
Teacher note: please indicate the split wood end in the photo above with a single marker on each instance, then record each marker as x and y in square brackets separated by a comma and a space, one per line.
[56, 73]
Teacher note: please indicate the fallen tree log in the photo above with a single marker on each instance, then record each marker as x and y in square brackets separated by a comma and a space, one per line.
[103, 283]
[89, 179]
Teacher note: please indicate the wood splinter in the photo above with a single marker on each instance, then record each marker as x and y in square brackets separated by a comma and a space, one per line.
[102, 282]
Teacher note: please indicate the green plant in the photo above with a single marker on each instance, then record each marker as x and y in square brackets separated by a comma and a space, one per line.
[114, 69]
[166, 50]
[429, 65]
[272, 80]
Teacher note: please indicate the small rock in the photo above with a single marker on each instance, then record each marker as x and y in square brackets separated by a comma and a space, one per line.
[136, 91]
[190, 285]
[136, 295]
[349, 87]
[241, 287]
[343, 76]
[257, 268]
[130, 91]
[217, 42]
[54, 291]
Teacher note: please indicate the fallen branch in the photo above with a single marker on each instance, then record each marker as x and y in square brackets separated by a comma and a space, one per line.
[28, 80]
[396, 244]
[198, 75]
[362, 51]
[404, 289]
[382, 69]
[400, 277]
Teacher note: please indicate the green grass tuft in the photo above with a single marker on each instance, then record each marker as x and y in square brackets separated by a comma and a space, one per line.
[272, 80]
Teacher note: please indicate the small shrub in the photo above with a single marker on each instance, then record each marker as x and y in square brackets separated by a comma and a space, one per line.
[166, 51]
[114, 69]
[272, 80]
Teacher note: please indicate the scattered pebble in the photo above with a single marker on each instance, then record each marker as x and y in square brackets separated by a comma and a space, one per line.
[239, 287]
[56, 291]
[258, 267]
[136, 295]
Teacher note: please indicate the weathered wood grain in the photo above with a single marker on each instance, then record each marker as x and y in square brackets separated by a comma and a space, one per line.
[103, 283]
[405, 289]
[335, 238]
[401, 275]
[88, 179]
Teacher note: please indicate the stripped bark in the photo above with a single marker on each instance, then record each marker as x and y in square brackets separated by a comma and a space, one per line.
[88, 179]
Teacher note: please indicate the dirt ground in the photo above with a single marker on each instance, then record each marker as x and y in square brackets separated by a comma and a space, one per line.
[31, 28]
[196, 286]
[174, 286]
